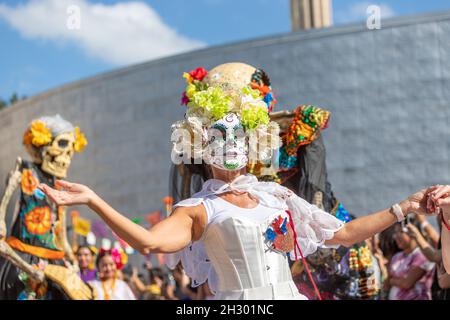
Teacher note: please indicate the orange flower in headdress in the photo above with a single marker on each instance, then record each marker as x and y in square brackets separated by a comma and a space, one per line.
[38, 221]
[263, 89]
[38, 134]
[29, 182]
[80, 140]
[27, 137]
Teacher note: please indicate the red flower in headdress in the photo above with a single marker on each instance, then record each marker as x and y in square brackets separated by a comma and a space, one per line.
[198, 74]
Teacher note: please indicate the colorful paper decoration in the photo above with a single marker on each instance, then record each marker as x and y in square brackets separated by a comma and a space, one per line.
[153, 217]
[81, 226]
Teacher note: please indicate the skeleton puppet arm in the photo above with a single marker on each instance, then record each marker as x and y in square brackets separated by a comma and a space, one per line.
[5, 250]
[64, 240]
[12, 184]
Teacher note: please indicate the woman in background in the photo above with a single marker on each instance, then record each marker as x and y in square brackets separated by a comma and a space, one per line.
[85, 258]
[410, 273]
[109, 286]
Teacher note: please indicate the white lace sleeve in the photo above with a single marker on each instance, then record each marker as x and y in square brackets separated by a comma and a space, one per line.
[196, 265]
[312, 226]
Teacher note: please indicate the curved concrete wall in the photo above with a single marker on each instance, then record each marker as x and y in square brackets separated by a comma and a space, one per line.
[388, 91]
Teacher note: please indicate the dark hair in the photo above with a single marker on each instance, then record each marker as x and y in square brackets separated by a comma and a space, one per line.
[85, 246]
[100, 256]
[387, 243]
[155, 273]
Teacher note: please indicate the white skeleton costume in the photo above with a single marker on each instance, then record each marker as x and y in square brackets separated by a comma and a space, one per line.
[243, 253]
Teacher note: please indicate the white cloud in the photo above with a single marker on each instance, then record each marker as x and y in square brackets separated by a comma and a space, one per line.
[119, 34]
[358, 12]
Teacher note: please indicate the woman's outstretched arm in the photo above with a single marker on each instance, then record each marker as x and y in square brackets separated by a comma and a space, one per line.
[365, 227]
[184, 225]
[362, 228]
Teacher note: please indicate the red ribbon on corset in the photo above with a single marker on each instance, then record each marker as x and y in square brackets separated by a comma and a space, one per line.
[316, 290]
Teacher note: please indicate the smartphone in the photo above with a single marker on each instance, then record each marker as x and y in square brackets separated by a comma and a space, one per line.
[404, 224]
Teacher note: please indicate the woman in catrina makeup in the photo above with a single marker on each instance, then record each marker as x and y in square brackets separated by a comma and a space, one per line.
[236, 233]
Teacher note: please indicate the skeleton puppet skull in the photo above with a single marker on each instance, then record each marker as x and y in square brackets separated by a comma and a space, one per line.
[56, 157]
[227, 145]
[52, 141]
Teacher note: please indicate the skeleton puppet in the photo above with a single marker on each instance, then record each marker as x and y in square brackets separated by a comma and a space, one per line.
[34, 257]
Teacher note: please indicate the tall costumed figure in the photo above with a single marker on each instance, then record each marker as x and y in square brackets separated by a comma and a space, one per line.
[36, 259]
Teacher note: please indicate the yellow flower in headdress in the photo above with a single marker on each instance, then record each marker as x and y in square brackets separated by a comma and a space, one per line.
[188, 77]
[123, 257]
[39, 134]
[80, 140]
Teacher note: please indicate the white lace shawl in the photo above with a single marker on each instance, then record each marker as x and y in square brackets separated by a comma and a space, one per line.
[312, 225]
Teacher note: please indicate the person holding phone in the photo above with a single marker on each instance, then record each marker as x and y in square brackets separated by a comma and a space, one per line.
[410, 272]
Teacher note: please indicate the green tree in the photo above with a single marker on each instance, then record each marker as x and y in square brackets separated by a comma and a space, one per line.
[3, 104]
[14, 98]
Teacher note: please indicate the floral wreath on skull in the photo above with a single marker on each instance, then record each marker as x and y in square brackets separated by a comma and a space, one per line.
[234, 100]
[39, 135]
[51, 142]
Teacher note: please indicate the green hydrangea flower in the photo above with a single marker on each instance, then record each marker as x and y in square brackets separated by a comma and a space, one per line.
[254, 116]
[213, 100]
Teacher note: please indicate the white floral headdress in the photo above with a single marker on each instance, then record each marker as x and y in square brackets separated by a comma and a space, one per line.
[228, 88]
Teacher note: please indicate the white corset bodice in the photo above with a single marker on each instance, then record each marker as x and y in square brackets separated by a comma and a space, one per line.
[245, 264]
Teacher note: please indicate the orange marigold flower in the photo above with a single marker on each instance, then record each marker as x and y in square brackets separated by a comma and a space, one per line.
[80, 140]
[27, 137]
[29, 182]
[41, 135]
[38, 220]
[263, 89]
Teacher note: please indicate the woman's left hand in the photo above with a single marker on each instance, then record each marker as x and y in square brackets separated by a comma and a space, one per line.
[418, 201]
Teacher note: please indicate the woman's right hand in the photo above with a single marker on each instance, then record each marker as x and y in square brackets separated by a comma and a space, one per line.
[70, 193]
[441, 196]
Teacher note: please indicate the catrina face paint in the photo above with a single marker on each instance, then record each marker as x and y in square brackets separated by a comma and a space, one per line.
[227, 145]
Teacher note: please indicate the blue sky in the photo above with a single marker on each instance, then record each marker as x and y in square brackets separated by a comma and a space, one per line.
[38, 52]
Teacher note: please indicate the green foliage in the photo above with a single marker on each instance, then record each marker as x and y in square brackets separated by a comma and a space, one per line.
[11, 101]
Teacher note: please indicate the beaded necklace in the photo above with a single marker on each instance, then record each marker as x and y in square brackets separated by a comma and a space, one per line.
[107, 293]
